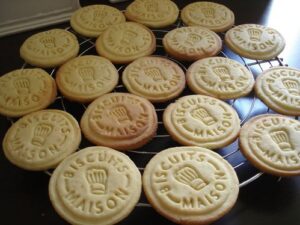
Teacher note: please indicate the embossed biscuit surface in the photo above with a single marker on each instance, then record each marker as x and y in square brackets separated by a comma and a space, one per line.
[152, 13]
[213, 16]
[271, 143]
[49, 48]
[42, 139]
[190, 185]
[119, 120]
[25, 90]
[279, 88]
[123, 43]
[219, 77]
[92, 20]
[96, 185]
[155, 78]
[201, 121]
[192, 43]
[255, 41]
[86, 77]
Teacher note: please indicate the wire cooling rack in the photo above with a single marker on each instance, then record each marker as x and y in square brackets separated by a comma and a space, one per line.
[246, 108]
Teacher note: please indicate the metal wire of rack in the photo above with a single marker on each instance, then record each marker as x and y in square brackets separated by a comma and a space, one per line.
[246, 106]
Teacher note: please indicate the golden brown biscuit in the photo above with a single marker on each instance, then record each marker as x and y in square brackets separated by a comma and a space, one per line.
[278, 88]
[85, 78]
[219, 77]
[49, 48]
[190, 185]
[156, 78]
[271, 143]
[199, 120]
[24, 91]
[41, 140]
[119, 120]
[92, 20]
[192, 43]
[125, 42]
[255, 41]
[214, 16]
[152, 13]
[96, 185]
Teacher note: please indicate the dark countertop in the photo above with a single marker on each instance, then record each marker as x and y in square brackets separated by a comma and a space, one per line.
[266, 201]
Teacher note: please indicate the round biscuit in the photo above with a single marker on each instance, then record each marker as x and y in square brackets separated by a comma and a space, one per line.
[190, 185]
[24, 91]
[49, 48]
[199, 120]
[96, 185]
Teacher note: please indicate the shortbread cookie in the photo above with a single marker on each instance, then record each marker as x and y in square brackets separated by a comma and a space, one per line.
[152, 13]
[86, 77]
[192, 43]
[219, 77]
[213, 16]
[271, 143]
[41, 140]
[190, 185]
[279, 88]
[96, 185]
[25, 90]
[92, 20]
[49, 48]
[255, 41]
[155, 78]
[201, 121]
[125, 42]
[119, 120]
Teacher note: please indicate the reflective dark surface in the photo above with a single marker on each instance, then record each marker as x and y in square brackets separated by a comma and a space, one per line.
[266, 201]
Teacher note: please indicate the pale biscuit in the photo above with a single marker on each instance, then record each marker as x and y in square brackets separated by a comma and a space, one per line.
[24, 91]
[49, 48]
[201, 120]
[192, 43]
[278, 88]
[213, 16]
[123, 43]
[219, 77]
[156, 78]
[152, 13]
[119, 120]
[96, 185]
[41, 140]
[85, 78]
[190, 185]
[271, 143]
[92, 20]
[255, 41]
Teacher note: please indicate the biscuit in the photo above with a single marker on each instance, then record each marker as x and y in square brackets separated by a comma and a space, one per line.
[201, 120]
[279, 89]
[49, 48]
[213, 16]
[92, 20]
[190, 185]
[192, 43]
[123, 43]
[85, 78]
[156, 78]
[96, 185]
[152, 13]
[219, 77]
[255, 41]
[271, 143]
[41, 140]
[119, 120]
[24, 91]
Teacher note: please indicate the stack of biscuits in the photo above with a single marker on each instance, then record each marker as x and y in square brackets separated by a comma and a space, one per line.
[188, 184]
